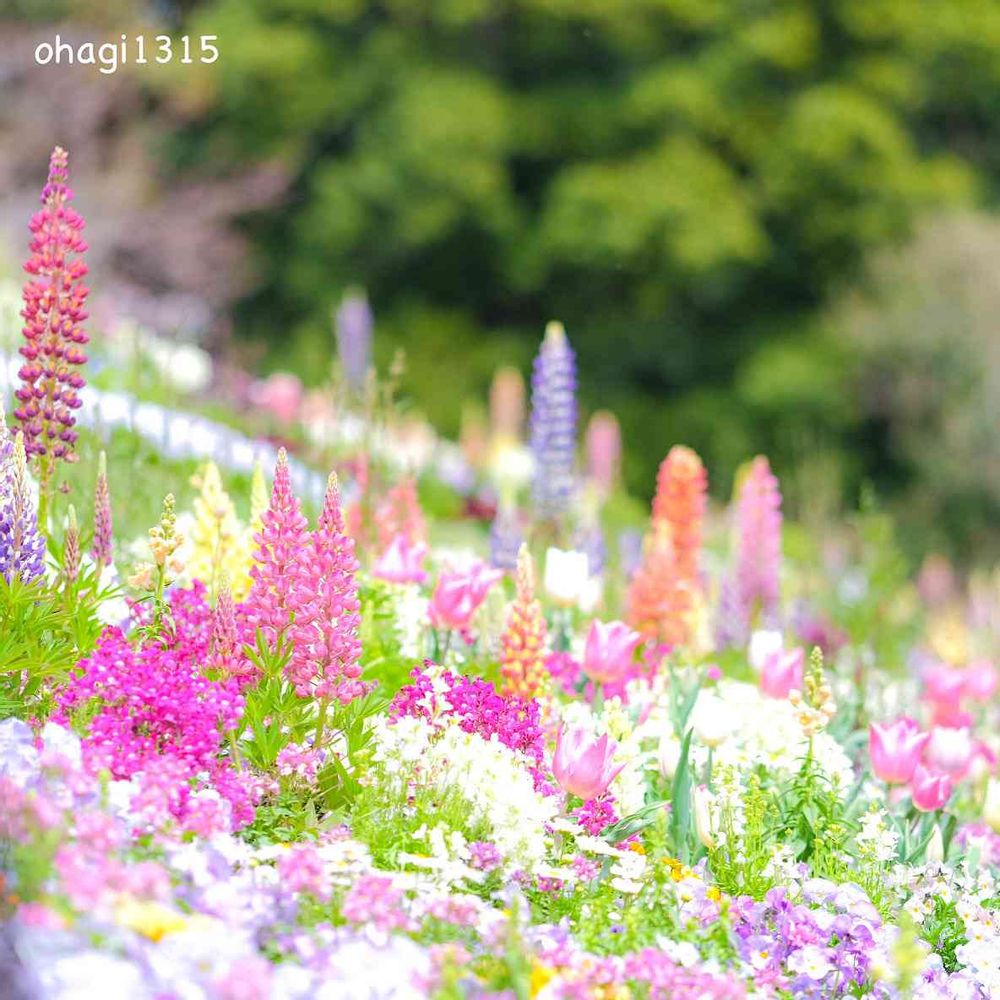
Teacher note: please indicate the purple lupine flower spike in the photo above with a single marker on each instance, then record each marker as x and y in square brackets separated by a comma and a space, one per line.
[589, 538]
[732, 626]
[553, 423]
[22, 548]
[354, 325]
[506, 539]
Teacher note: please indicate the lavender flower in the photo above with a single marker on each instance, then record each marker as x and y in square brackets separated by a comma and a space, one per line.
[506, 538]
[22, 548]
[589, 538]
[354, 323]
[553, 423]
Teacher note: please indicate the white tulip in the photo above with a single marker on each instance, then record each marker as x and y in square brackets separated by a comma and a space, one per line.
[669, 756]
[713, 721]
[763, 643]
[566, 575]
[935, 847]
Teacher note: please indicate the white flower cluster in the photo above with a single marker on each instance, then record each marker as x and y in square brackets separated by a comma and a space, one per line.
[490, 777]
[760, 730]
[876, 840]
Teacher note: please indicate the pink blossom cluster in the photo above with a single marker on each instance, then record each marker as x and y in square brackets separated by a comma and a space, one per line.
[950, 692]
[930, 763]
[152, 710]
[377, 901]
[301, 869]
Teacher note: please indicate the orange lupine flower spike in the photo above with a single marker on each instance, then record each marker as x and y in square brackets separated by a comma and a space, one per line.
[522, 645]
[660, 601]
[681, 489]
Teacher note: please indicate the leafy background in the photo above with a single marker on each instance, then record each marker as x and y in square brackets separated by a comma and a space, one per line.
[766, 224]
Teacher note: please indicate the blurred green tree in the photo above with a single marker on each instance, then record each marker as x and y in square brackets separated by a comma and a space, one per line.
[682, 182]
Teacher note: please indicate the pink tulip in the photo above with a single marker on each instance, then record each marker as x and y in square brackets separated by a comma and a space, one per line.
[930, 790]
[782, 671]
[459, 593]
[951, 750]
[402, 561]
[609, 651]
[944, 688]
[895, 749]
[981, 680]
[582, 765]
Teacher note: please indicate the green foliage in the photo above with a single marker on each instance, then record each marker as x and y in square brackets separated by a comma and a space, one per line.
[739, 866]
[685, 181]
[44, 631]
[945, 931]
[681, 819]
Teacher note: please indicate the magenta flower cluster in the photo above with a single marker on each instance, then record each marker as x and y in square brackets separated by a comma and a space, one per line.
[152, 709]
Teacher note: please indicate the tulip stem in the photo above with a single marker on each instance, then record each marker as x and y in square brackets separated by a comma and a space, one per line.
[598, 697]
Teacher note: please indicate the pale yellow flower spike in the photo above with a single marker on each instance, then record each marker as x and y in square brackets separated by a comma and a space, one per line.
[217, 544]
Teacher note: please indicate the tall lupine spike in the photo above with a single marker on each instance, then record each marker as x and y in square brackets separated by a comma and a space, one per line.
[326, 649]
[226, 655]
[731, 621]
[681, 487]
[660, 602]
[399, 513]
[354, 325]
[280, 542]
[71, 548]
[215, 535]
[101, 545]
[758, 558]
[506, 538]
[522, 645]
[22, 547]
[589, 538]
[53, 316]
[604, 452]
[553, 424]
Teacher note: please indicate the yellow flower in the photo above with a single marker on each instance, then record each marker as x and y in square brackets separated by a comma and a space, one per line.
[152, 920]
[540, 977]
[218, 541]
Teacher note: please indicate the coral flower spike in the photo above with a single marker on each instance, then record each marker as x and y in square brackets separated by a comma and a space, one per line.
[53, 314]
